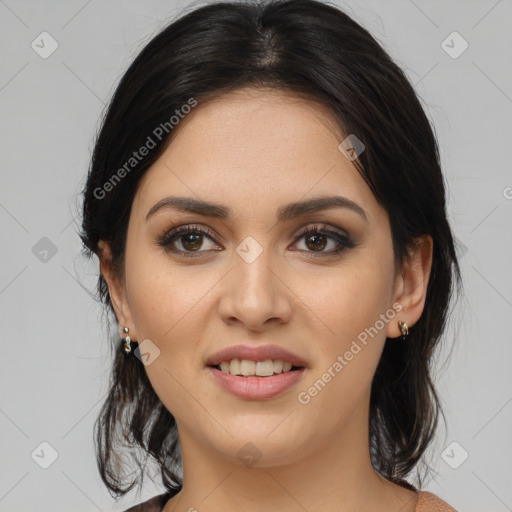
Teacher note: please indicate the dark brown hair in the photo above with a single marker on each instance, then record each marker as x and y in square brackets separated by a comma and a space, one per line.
[315, 50]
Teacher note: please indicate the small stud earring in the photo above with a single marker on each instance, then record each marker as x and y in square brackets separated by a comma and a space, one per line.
[404, 328]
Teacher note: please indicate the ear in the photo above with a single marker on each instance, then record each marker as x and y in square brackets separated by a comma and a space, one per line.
[116, 289]
[411, 285]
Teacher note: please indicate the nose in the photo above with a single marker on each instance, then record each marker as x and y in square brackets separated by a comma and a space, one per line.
[255, 293]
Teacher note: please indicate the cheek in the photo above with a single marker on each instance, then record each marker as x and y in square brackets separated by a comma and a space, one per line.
[352, 297]
[341, 380]
[355, 306]
[160, 294]
[169, 306]
[164, 301]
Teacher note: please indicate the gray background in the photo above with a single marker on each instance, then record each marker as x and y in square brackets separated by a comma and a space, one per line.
[54, 358]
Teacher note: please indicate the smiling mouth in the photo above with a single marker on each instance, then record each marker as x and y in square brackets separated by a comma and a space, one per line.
[248, 368]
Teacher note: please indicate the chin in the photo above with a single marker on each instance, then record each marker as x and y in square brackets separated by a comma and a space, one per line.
[259, 443]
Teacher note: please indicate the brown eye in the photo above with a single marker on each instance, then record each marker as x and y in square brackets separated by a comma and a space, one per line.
[190, 238]
[317, 239]
[191, 242]
[316, 242]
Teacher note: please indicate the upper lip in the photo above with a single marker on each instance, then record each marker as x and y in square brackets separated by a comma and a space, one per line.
[252, 353]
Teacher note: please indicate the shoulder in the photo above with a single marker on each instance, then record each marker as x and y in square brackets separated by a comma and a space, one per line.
[429, 502]
[155, 504]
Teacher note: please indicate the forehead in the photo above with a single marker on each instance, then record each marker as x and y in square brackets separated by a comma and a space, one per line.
[255, 145]
[248, 120]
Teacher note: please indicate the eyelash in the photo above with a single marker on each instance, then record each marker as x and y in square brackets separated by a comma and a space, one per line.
[167, 239]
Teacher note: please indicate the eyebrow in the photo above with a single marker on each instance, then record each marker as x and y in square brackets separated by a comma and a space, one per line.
[284, 213]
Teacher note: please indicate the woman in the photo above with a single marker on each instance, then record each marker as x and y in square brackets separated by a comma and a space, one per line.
[266, 201]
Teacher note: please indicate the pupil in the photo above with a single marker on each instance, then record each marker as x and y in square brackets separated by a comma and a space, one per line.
[316, 244]
[195, 239]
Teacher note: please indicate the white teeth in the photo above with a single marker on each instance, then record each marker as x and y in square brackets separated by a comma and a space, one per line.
[264, 368]
[247, 367]
[234, 367]
[278, 366]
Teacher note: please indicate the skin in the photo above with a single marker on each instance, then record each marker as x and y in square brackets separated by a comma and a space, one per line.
[255, 150]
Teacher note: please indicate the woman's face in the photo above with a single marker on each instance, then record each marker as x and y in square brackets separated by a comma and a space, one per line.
[256, 279]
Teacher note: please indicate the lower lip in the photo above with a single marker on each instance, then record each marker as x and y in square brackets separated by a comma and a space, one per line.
[256, 388]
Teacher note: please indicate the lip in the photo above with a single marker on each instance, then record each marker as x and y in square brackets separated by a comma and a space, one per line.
[254, 387]
[258, 353]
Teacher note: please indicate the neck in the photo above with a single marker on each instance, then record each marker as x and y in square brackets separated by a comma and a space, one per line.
[335, 475]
